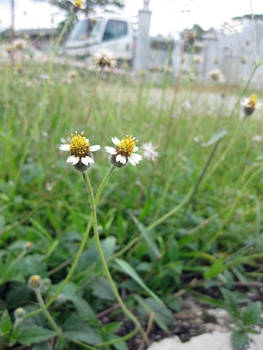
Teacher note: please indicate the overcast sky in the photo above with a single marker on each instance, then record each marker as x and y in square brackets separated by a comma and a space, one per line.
[168, 16]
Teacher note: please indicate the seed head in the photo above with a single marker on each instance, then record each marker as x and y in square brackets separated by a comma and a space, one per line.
[104, 60]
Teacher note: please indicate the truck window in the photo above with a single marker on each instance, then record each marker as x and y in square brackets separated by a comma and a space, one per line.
[115, 30]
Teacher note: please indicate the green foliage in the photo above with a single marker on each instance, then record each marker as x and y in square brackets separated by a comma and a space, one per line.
[153, 247]
[245, 318]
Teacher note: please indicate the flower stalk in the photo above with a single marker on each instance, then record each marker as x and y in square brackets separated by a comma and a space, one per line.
[103, 260]
[48, 315]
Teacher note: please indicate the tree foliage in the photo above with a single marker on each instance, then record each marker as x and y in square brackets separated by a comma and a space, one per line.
[88, 5]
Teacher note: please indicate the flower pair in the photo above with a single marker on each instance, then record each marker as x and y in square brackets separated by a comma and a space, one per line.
[81, 151]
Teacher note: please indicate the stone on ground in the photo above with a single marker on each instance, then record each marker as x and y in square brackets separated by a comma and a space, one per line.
[207, 341]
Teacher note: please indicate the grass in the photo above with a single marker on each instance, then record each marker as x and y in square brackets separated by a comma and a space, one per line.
[144, 216]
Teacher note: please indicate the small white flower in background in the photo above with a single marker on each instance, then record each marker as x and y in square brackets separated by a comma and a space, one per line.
[257, 138]
[123, 153]
[197, 139]
[72, 74]
[104, 59]
[250, 105]
[198, 59]
[20, 44]
[186, 106]
[80, 151]
[217, 75]
[44, 77]
[149, 151]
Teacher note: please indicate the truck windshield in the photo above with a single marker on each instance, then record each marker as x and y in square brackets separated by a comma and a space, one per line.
[85, 29]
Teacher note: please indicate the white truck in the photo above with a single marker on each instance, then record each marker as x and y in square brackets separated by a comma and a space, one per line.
[115, 35]
[108, 33]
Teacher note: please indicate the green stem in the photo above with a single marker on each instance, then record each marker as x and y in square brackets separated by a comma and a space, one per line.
[48, 315]
[202, 175]
[103, 183]
[103, 260]
[169, 213]
[94, 92]
[73, 266]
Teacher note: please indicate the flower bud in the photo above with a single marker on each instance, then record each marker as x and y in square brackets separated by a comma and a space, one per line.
[34, 282]
[19, 313]
[28, 245]
[46, 283]
[61, 299]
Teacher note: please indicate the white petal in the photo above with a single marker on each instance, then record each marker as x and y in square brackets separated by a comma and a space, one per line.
[94, 148]
[135, 158]
[73, 160]
[115, 140]
[110, 150]
[135, 149]
[245, 102]
[121, 159]
[87, 140]
[87, 160]
[64, 147]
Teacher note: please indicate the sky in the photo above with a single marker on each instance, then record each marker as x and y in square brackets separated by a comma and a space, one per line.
[168, 16]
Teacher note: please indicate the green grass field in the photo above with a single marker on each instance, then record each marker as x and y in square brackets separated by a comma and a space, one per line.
[155, 240]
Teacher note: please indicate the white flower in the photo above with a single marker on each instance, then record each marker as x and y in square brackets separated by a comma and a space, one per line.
[186, 105]
[217, 75]
[123, 153]
[257, 138]
[104, 59]
[198, 59]
[149, 152]
[250, 104]
[80, 151]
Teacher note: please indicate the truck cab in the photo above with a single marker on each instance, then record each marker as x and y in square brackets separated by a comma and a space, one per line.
[90, 36]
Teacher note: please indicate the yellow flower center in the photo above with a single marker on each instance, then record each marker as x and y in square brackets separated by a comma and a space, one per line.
[126, 146]
[78, 3]
[79, 146]
[253, 100]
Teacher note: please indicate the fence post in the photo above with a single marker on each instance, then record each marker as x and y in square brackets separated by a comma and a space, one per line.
[142, 47]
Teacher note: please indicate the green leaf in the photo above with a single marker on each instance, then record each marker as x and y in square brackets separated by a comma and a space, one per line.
[2, 224]
[251, 315]
[84, 309]
[231, 303]
[102, 289]
[125, 267]
[5, 323]
[78, 329]
[239, 340]
[112, 327]
[162, 315]
[121, 345]
[34, 334]
[216, 137]
[215, 269]
[108, 247]
[42, 346]
[147, 236]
